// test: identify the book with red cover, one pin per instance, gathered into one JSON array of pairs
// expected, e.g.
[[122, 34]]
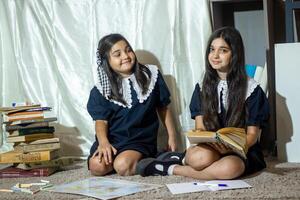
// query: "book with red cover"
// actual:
[[13, 172]]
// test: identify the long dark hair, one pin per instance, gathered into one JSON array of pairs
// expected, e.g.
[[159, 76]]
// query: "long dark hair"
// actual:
[[141, 72], [236, 80]]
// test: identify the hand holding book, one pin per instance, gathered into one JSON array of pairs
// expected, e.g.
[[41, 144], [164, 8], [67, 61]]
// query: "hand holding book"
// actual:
[[231, 137], [220, 147]]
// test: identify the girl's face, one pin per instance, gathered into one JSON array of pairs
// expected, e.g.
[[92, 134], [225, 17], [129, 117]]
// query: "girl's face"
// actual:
[[219, 56], [122, 58]]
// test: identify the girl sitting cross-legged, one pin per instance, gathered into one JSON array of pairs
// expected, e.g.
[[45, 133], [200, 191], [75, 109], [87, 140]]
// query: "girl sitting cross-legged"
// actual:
[[225, 98]]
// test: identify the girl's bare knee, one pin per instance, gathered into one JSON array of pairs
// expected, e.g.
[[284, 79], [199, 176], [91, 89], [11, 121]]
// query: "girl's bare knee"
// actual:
[[201, 158], [98, 169], [124, 167], [230, 170]]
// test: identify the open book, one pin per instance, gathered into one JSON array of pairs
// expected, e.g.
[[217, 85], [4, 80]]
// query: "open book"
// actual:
[[234, 138]]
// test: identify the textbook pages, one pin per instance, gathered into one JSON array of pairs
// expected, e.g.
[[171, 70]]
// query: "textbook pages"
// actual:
[[235, 138]]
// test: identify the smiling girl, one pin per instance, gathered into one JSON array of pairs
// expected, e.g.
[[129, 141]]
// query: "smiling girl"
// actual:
[[225, 98], [124, 104]]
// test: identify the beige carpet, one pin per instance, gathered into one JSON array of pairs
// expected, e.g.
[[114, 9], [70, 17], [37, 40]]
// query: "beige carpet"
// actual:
[[278, 181]]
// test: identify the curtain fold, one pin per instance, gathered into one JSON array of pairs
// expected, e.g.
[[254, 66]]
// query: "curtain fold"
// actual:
[[48, 48]]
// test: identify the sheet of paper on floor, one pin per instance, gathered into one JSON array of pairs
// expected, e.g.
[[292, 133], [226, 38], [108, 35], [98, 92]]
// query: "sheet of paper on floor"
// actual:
[[103, 188], [180, 188]]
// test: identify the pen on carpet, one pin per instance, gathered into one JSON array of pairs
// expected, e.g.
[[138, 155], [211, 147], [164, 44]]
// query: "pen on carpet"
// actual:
[[212, 184]]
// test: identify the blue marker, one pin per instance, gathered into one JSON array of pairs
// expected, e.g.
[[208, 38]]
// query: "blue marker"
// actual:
[[212, 184]]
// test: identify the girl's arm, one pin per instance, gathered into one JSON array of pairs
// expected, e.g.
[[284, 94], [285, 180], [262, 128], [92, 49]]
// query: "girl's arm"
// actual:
[[105, 149], [253, 133], [166, 118], [199, 125]]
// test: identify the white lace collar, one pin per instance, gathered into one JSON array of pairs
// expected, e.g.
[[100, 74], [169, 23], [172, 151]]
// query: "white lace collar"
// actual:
[[222, 86], [127, 91]]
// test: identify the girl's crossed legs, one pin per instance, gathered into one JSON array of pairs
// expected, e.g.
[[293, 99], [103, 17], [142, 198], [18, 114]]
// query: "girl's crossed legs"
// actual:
[[124, 164], [203, 162]]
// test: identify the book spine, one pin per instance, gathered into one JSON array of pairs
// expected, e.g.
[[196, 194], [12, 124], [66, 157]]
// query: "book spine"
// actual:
[[29, 138], [24, 113], [27, 157], [23, 117], [59, 162], [33, 125], [40, 147], [36, 130], [38, 172], [28, 121]]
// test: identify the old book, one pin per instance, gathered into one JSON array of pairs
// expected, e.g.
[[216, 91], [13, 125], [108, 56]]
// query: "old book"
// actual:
[[16, 108], [29, 138], [23, 113], [26, 126], [29, 131], [25, 148], [234, 138], [28, 121], [13, 172], [30, 109], [23, 116], [20, 157], [44, 141], [58, 162]]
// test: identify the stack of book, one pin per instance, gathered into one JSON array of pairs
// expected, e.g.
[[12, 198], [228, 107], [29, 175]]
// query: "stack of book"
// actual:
[[35, 146]]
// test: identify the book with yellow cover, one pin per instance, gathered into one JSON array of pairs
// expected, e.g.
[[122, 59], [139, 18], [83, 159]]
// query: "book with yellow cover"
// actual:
[[234, 138], [20, 157]]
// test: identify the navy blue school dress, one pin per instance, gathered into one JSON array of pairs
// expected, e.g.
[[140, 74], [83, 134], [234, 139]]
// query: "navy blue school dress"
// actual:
[[258, 107], [133, 126]]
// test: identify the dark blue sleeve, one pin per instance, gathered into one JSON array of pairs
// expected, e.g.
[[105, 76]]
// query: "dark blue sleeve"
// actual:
[[97, 106], [258, 108], [163, 92], [195, 104]]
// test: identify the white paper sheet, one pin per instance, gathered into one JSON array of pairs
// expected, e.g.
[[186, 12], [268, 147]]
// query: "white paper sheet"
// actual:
[[180, 188]]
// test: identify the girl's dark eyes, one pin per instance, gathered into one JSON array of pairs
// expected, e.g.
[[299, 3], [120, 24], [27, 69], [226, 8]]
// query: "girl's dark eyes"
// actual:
[[118, 54], [224, 50], [129, 49], [221, 50]]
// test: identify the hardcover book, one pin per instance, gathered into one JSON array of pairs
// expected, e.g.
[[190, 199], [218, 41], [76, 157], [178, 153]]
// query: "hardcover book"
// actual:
[[16, 108], [20, 157], [23, 117], [44, 141], [23, 113], [29, 138], [234, 138], [58, 162], [26, 126], [13, 172], [28, 121], [29, 109], [25, 148], [29, 131]]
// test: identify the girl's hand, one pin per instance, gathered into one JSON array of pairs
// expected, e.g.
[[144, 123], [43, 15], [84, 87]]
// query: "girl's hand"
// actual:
[[171, 144], [221, 148], [104, 152]]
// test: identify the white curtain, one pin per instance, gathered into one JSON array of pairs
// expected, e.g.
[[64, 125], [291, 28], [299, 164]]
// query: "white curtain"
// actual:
[[47, 55]]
